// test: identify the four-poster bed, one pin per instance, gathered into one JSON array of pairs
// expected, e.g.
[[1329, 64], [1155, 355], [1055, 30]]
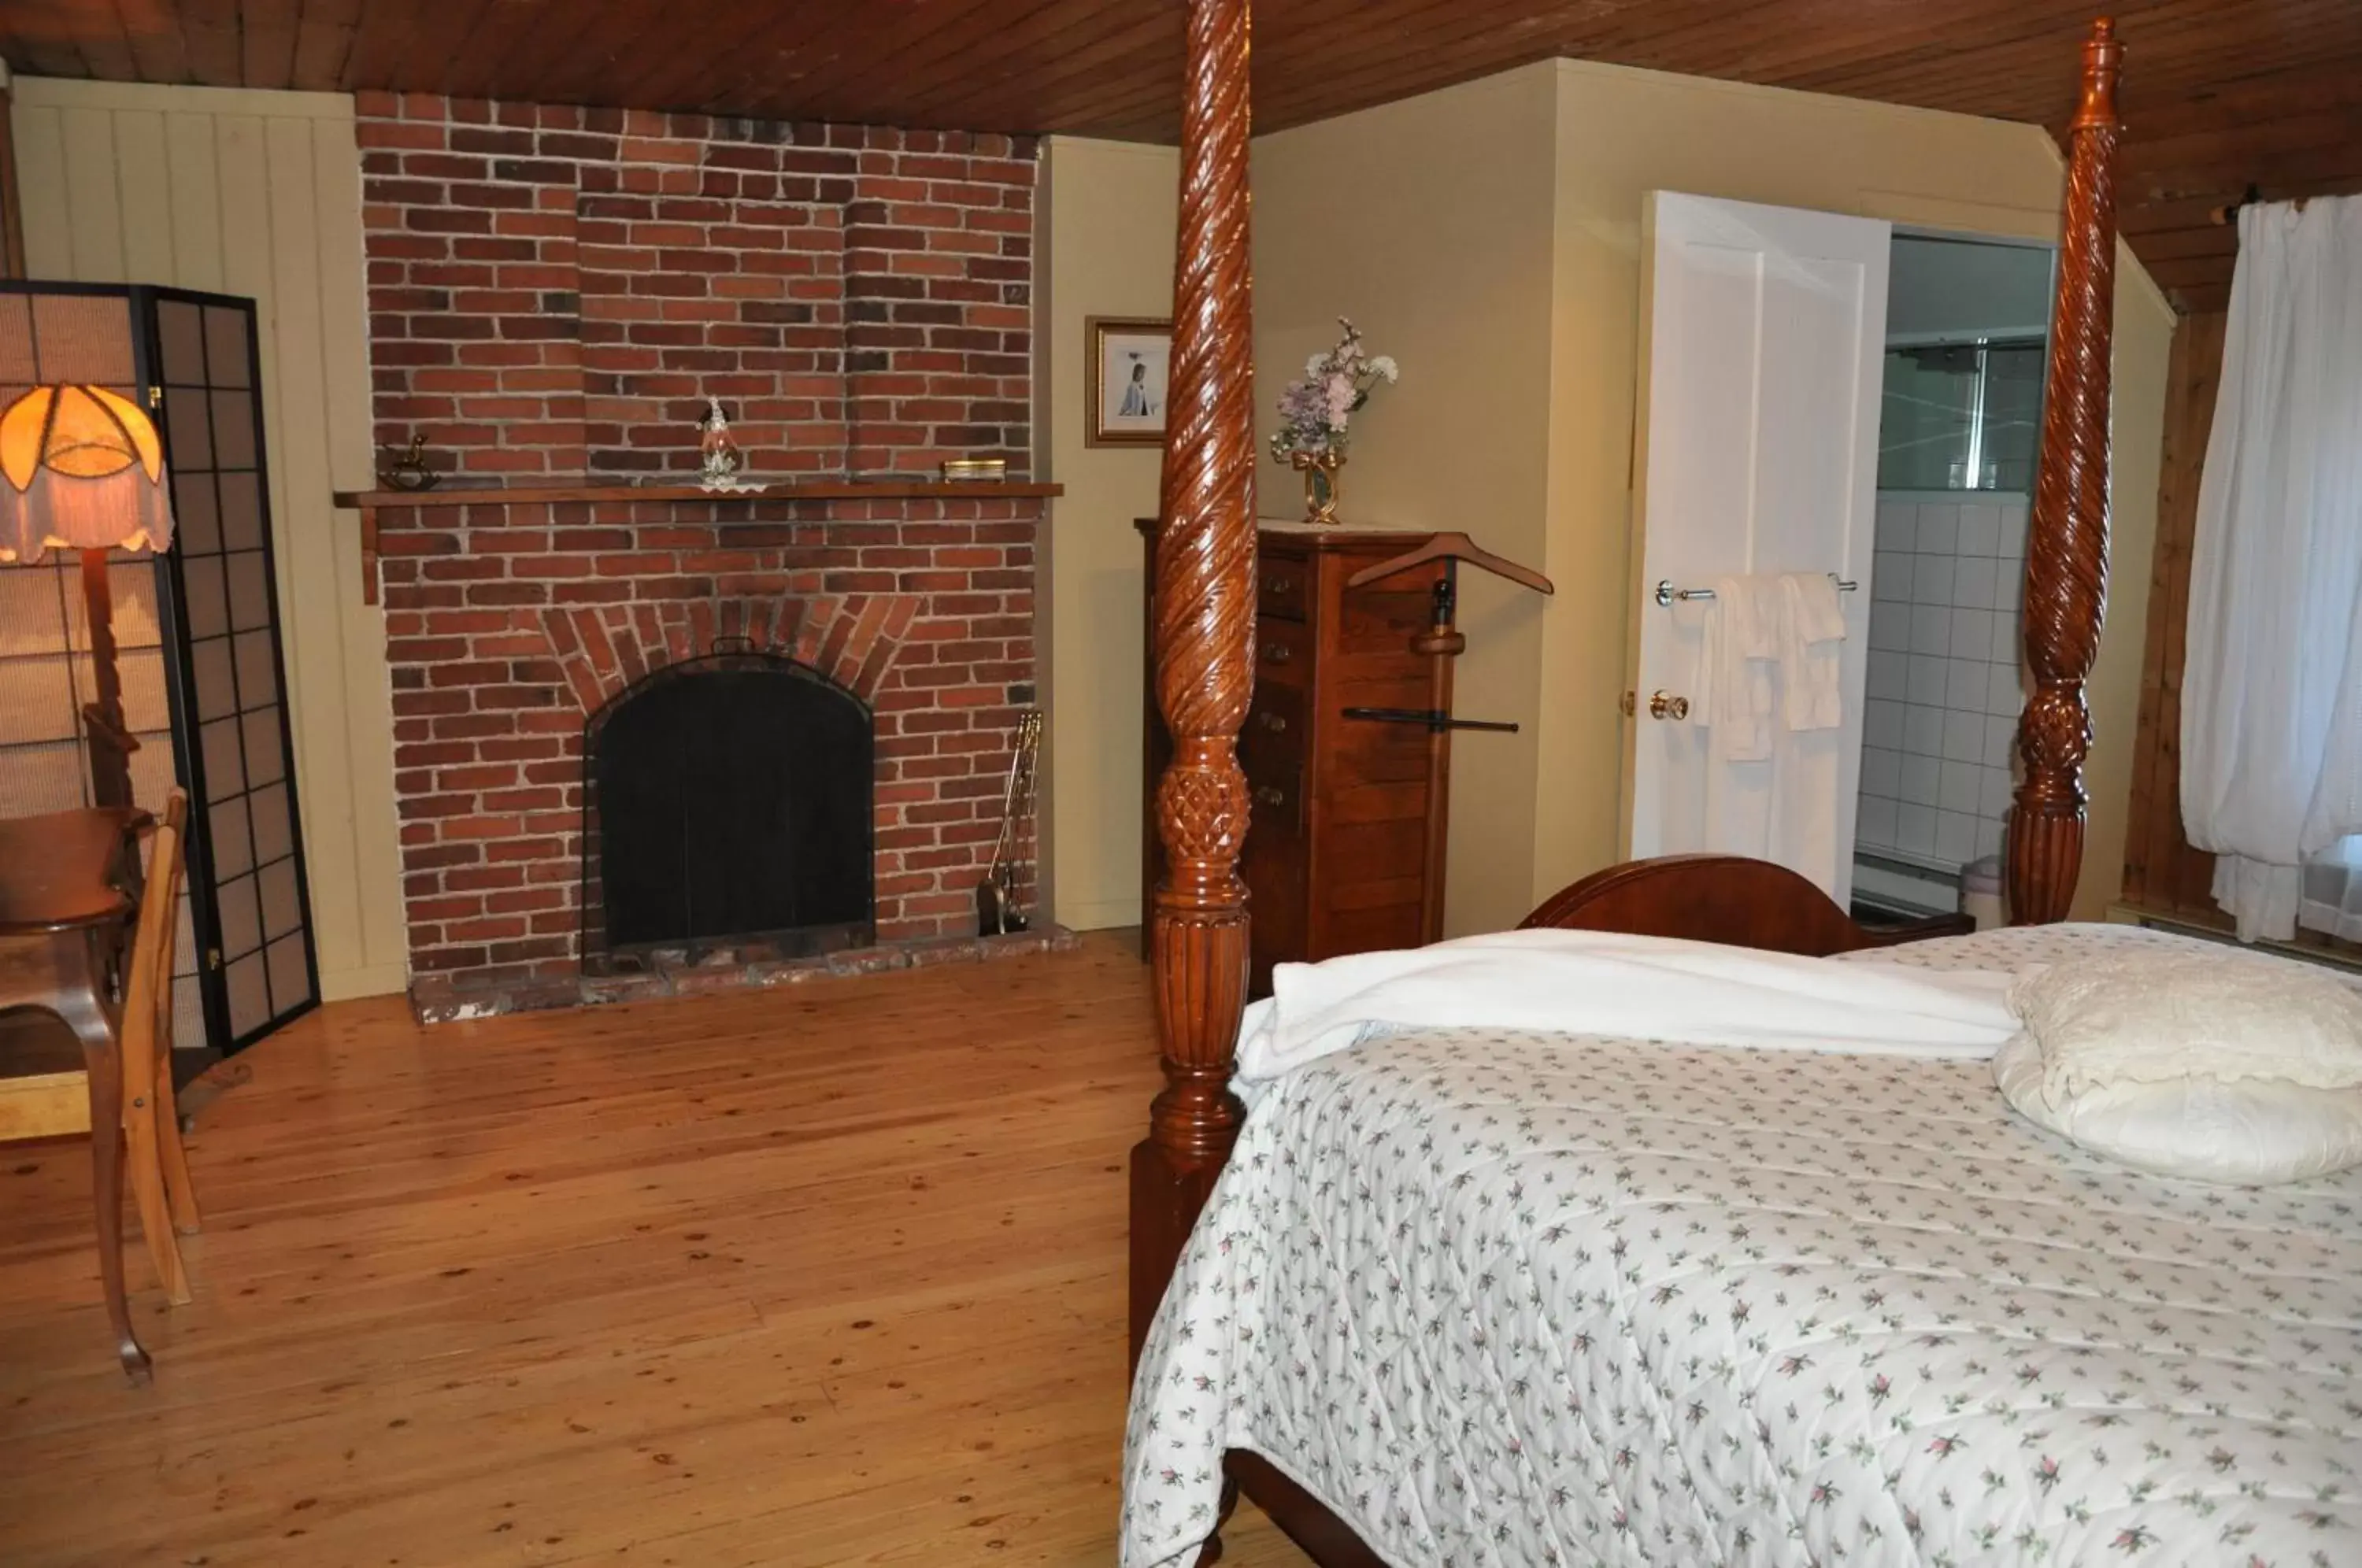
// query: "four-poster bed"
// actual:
[[1203, 629]]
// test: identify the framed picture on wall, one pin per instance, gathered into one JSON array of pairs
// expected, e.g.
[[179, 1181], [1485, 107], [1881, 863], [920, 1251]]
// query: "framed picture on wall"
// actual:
[[1131, 363]]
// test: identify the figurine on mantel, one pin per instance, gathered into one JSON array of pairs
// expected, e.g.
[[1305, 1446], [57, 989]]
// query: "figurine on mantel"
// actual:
[[719, 458], [409, 472]]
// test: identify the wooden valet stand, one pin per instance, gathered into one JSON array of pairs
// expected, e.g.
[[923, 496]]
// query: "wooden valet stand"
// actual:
[[1440, 643]]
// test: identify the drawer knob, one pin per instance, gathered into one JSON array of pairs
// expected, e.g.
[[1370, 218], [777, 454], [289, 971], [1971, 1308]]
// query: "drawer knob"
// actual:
[[1277, 653], [1282, 585], [1663, 707], [1271, 794], [1272, 722]]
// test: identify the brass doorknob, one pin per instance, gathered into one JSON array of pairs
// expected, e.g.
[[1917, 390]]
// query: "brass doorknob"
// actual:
[[1663, 707]]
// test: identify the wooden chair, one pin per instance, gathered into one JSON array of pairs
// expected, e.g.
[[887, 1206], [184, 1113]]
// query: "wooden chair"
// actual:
[[44, 1087]]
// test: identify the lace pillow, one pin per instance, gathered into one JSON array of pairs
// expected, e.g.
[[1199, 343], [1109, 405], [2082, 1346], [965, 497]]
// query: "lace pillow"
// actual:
[[2216, 1066], [2136, 1017]]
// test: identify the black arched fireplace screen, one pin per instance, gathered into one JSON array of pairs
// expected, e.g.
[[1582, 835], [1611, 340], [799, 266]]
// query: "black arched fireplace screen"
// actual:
[[728, 806]]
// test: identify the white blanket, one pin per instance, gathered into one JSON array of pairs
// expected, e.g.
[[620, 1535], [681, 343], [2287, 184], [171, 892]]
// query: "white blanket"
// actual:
[[1644, 987]]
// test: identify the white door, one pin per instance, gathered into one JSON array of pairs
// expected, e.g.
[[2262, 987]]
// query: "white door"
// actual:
[[1762, 345]]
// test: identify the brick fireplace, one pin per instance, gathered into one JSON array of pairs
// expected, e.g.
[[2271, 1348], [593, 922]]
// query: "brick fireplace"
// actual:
[[554, 294], [555, 291]]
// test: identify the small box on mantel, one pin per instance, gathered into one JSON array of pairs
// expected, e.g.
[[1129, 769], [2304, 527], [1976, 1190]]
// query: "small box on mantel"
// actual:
[[958, 469]]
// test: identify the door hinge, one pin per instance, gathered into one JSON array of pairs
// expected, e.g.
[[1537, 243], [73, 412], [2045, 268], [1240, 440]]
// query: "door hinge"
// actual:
[[213, 957], [1630, 703]]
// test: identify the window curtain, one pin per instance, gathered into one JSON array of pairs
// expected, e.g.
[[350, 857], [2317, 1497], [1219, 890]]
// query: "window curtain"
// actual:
[[2271, 726]]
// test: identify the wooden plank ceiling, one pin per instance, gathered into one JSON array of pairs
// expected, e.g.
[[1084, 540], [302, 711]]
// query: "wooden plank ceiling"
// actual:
[[2218, 93]]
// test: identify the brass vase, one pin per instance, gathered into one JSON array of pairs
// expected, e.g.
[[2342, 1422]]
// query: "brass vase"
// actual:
[[1322, 484]]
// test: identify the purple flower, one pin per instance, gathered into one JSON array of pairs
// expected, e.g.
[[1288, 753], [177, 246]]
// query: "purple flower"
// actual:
[[1314, 411]]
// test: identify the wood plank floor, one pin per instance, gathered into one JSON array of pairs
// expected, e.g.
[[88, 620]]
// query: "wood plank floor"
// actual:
[[828, 1273]]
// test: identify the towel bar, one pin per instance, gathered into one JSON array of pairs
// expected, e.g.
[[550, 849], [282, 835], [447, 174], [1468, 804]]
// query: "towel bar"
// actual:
[[1667, 592]]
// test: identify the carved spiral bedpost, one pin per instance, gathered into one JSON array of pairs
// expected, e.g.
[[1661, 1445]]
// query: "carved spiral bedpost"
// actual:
[[1204, 609], [2067, 547]]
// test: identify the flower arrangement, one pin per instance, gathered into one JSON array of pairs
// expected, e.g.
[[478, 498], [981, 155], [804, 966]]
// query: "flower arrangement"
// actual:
[[1336, 384]]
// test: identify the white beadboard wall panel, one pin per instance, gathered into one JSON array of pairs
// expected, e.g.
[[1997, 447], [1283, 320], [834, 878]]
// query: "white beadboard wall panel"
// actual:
[[259, 193], [94, 202]]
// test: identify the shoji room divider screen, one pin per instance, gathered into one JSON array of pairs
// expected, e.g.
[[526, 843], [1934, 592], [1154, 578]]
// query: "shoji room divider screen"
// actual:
[[198, 638]]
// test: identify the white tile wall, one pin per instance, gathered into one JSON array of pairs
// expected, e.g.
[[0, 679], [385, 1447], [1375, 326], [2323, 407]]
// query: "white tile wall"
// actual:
[[1946, 577]]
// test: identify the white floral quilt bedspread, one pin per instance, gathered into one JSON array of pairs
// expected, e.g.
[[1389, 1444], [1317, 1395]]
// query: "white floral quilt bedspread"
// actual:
[[1506, 1299]]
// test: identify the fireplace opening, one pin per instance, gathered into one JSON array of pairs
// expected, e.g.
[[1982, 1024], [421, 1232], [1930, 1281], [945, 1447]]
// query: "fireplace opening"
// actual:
[[728, 806]]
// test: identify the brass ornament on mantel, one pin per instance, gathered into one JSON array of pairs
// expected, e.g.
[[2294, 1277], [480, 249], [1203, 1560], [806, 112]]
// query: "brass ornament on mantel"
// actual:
[[1322, 472]]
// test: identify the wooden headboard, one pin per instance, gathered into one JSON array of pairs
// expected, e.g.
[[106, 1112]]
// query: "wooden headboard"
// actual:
[[1204, 606], [1728, 899]]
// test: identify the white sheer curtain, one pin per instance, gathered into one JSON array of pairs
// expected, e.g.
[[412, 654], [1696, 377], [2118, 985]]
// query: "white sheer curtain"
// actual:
[[2271, 715], [2332, 896]]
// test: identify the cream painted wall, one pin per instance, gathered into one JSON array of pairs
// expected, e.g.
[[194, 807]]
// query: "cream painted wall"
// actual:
[[1104, 226], [259, 193], [1488, 237], [1621, 133], [1428, 223]]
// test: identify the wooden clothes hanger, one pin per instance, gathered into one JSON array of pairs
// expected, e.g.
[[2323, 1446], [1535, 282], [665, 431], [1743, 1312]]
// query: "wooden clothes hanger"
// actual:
[[1442, 640], [1454, 547]]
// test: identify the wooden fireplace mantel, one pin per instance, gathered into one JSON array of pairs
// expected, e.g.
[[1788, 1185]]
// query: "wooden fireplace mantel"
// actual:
[[371, 501], [784, 489]]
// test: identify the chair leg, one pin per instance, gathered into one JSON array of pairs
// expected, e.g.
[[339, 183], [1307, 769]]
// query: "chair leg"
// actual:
[[147, 1170], [141, 1138], [103, 1056], [178, 1189]]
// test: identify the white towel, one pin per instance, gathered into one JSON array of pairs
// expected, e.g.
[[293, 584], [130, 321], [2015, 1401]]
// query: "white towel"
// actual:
[[1812, 632], [1741, 640]]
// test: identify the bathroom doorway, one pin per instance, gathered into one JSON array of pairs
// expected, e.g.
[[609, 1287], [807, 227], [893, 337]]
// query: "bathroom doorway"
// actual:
[[1959, 430]]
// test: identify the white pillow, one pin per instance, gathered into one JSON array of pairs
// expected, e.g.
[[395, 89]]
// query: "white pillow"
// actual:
[[2133, 1016], [2218, 1066], [2241, 1131]]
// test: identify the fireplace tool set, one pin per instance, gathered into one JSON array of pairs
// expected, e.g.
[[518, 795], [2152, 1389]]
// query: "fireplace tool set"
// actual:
[[997, 912]]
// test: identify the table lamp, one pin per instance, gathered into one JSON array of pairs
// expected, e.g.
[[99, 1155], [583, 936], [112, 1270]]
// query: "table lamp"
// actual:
[[81, 468]]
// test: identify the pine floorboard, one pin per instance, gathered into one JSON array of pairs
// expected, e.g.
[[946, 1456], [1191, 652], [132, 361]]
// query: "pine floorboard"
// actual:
[[827, 1274]]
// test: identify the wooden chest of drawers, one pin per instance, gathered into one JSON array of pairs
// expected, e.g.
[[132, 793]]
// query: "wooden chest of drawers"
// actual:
[[1343, 853]]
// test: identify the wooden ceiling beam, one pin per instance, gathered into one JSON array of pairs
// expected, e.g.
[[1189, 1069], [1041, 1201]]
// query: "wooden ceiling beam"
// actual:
[[604, 31], [105, 46], [375, 60], [789, 54], [267, 31], [500, 30], [153, 32], [324, 42], [2215, 94], [978, 62]]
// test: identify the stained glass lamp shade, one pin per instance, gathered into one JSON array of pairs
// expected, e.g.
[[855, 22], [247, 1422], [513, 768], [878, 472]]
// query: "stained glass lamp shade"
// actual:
[[81, 468]]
